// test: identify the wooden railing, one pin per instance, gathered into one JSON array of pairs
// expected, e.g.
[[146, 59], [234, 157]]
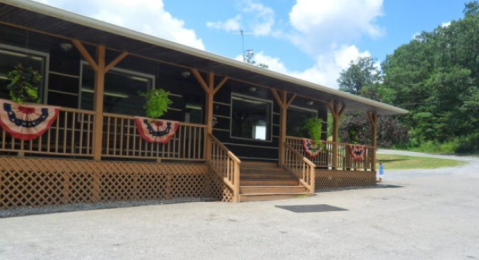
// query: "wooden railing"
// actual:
[[325, 158], [69, 135], [226, 165], [347, 162], [322, 160], [300, 166], [122, 140]]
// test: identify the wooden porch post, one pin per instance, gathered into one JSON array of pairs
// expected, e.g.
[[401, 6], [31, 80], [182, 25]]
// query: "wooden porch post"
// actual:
[[100, 69], [334, 109], [283, 103], [373, 119], [210, 90]]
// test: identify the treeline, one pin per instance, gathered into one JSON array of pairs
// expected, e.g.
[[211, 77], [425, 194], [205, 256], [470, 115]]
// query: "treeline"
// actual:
[[436, 78]]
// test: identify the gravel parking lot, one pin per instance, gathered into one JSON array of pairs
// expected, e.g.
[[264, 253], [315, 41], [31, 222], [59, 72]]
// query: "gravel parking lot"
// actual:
[[413, 215]]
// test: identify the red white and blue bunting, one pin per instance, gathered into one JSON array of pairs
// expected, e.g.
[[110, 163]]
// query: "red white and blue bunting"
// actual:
[[357, 151], [311, 149], [155, 130], [26, 122]]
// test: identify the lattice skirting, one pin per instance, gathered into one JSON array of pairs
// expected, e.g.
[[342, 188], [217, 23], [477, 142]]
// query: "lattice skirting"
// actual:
[[29, 182], [326, 179]]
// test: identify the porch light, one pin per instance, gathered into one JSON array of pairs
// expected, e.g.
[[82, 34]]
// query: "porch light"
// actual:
[[252, 89], [185, 74], [66, 46], [310, 103]]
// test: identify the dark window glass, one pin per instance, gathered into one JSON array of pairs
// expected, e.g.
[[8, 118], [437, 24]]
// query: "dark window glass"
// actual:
[[295, 122], [250, 118], [193, 109], [10, 58], [121, 91]]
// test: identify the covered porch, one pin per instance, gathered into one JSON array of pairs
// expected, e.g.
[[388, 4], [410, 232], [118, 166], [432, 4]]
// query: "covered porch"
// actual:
[[93, 151]]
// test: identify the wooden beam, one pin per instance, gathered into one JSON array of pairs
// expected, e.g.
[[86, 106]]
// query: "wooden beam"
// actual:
[[99, 90], [211, 82], [278, 99], [343, 108], [291, 100], [116, 61], [218, 87], [85, 54], [200, 79]]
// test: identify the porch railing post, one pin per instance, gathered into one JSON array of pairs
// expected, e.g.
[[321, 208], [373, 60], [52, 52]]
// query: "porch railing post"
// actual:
[[334, 109], [373, 119]]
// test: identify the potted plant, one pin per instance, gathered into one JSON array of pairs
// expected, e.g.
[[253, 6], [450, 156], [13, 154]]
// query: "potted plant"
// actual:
[[313, 125], [24, 83], [157, 102]]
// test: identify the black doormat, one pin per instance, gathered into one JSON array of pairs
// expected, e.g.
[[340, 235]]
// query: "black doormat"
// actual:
[[386, 186], [311, 208]]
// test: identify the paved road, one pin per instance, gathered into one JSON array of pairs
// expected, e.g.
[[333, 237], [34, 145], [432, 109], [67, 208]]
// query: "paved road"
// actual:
[[434, 214]]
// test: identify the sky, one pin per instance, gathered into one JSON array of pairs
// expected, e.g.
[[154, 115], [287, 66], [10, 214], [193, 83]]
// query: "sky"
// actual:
[[310, 39]]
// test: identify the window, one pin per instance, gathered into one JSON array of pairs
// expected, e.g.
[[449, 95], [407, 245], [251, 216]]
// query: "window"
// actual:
[[10, 56], [193, 109], [121, 90], [250, 118], [295, 121]]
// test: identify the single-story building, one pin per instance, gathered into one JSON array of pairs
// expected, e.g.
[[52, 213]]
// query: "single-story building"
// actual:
[[237, 134]]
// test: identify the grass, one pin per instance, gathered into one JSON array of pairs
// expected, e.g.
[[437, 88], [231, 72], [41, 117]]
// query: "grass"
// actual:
[[403, 162]]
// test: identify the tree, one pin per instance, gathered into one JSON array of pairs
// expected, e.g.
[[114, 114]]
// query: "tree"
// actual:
[[436, 77], [360, 73]]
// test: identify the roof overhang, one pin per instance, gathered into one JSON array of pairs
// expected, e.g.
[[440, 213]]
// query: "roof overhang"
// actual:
[[58, 22]]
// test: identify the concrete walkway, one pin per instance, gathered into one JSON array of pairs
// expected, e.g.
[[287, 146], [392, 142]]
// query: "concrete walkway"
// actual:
[[429, 214]]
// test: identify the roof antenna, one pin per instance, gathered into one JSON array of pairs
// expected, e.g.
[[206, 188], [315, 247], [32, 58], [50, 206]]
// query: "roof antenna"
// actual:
[[246, 57]]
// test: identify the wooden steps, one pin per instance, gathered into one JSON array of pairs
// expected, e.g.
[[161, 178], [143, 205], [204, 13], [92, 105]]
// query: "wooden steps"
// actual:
[[262, 181]]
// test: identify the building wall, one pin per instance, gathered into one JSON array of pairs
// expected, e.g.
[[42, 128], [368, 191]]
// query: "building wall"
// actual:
[[64, 77]]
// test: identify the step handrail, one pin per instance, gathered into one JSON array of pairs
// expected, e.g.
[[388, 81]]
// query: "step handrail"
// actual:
[[300, 166], [226, 165]]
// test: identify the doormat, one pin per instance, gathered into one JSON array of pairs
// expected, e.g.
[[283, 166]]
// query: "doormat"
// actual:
[[311, 208]]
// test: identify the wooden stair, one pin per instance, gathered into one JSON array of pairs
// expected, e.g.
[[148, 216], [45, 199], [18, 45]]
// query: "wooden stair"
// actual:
[[261, 181]]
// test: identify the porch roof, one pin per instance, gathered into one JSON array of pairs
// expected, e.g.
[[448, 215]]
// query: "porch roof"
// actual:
[[51, 20]]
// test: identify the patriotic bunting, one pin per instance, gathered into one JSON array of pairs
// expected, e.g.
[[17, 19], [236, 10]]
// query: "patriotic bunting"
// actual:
[[311, 149], [155, 130], [357, 151], [26, 122]]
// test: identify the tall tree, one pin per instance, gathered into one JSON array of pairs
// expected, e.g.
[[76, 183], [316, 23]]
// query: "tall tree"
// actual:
[[360, 73], [435, 77]]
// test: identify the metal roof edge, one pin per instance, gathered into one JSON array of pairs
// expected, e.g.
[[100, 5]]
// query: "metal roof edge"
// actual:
[[97, 24]]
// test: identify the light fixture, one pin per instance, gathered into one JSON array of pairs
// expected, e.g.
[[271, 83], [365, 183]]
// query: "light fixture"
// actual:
[[185, 74], [252, 89], [310, 103], [66, 46]]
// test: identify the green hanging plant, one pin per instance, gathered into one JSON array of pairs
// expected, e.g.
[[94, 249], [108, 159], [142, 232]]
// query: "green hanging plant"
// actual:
[[24, 83], [313, 125], [157, 102], [353, 134]]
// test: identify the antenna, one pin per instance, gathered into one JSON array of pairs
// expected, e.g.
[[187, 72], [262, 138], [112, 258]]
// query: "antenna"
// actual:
[[242, 45]]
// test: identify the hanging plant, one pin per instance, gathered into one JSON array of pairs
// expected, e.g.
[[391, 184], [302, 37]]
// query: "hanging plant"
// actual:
[[24, 83], [353, 135], [157, 102], [313, 125]]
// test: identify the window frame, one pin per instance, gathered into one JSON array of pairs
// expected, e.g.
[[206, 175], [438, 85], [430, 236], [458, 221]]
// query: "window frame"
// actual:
[[233, 94], [124, 71], [46, 66], [314, 111]]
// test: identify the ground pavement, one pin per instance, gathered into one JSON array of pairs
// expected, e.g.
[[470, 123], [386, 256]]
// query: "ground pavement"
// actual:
[[415, 214]]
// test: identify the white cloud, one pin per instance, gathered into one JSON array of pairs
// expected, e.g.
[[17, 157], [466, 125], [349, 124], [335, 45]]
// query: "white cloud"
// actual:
[[140, 15], [325, 70], [232, 24], [416, 35], [254, 17], [320, 24], [445, 24]]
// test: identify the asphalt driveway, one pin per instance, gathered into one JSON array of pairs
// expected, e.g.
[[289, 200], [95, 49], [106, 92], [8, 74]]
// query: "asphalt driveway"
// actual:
[[425, 214]]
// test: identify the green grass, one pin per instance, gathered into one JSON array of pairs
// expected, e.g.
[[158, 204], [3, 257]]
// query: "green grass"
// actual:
[[403, 162]]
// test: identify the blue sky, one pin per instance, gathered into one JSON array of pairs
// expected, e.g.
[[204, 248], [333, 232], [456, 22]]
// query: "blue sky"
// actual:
[[310, 39]]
